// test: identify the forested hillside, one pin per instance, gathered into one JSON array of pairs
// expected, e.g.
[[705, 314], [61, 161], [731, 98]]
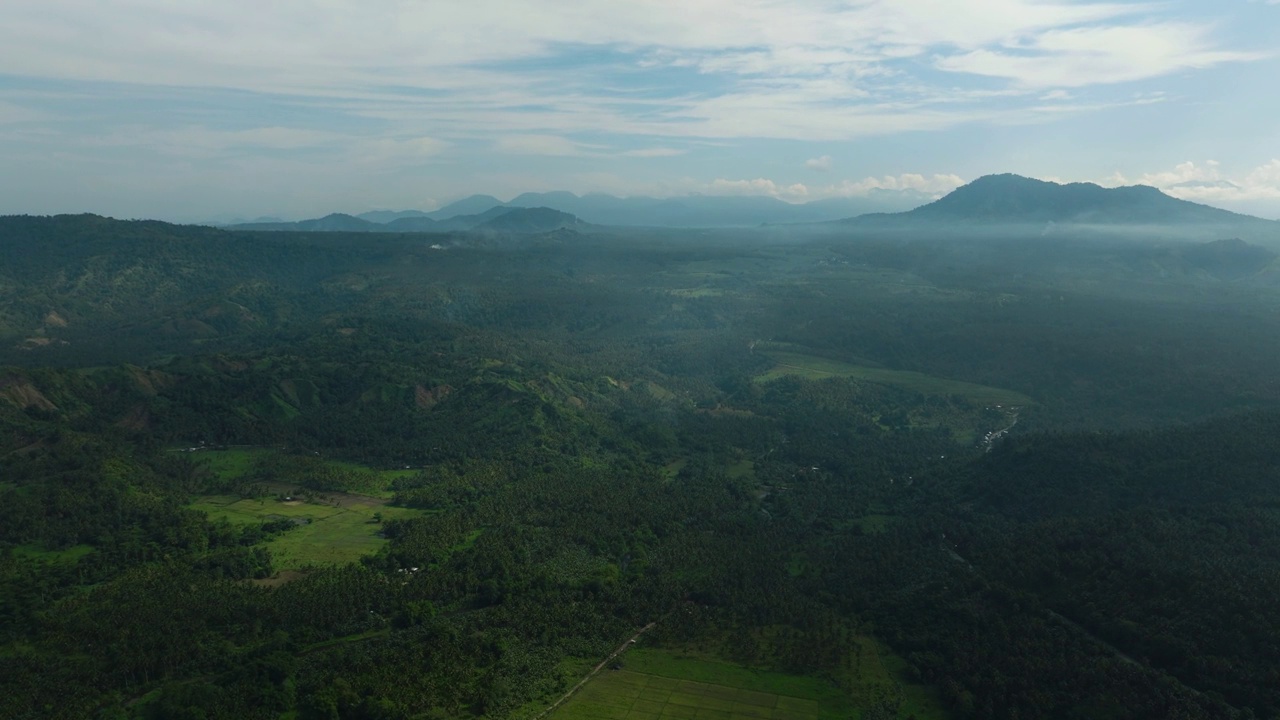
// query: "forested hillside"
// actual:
[[444, 475]]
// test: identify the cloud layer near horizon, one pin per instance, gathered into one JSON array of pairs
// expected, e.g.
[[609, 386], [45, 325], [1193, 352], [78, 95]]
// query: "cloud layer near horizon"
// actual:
[[631, 97]]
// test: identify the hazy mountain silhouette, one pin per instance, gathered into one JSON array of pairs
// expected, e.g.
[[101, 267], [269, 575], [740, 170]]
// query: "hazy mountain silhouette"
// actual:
[[1230, 259], [335, 222], [714, 210], [530, 220], [990, 200], [413, 223], [467, 222], [686, 211], [1015, 199], [500, 218], [1012, 205], [390, 216], [473, 205]]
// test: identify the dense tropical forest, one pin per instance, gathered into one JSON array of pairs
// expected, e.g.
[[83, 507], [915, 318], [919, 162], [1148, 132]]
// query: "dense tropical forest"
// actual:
[[845, 472]]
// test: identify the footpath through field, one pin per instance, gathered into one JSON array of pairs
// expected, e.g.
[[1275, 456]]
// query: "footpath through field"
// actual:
[[621, 648]]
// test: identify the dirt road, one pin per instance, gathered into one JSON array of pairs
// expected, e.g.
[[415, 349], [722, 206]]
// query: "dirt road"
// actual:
[[621, 648]]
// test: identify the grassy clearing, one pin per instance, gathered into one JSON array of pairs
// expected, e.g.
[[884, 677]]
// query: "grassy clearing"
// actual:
[[673, 468], [338, 532], [741, 469], [659, 685], [69, 555], [468, 542], [231, 464], [671, 665], [812, 367], [236, 464], [736, 469], [875, 524], [867, 676], [873, 669]]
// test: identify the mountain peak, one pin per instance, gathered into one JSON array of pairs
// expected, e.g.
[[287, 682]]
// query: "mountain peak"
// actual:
[[530, 220], [1011, 198]]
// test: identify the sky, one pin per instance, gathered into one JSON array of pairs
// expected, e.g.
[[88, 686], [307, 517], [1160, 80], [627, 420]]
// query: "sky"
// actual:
[[198, 110]]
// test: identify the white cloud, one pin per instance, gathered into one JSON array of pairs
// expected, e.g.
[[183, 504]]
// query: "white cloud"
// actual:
[[760, 186], [787, 69], [819, 163], [936, 185], [1209, 183], [137, 95]]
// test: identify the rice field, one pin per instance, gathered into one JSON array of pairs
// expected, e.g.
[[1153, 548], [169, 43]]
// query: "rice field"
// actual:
[[656, 685]]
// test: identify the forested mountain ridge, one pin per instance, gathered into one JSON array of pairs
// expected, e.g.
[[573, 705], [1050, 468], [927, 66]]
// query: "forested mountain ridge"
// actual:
[[1013, 198], [437, 475], [494, 219], [993, 202]]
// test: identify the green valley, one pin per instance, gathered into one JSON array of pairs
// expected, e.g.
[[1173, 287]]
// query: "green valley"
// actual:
[[843, 472]]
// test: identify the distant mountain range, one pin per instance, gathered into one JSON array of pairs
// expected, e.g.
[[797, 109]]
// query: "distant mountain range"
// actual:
[[992, 200], [694, 211], [706, 211], [495, 219]]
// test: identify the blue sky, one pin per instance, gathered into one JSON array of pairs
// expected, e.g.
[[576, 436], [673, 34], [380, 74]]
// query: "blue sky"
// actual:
[[199, 110]]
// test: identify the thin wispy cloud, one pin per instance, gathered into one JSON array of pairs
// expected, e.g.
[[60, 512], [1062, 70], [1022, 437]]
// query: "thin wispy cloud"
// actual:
[[539, 145], [656, 152], [454, 85], [1080, 57]]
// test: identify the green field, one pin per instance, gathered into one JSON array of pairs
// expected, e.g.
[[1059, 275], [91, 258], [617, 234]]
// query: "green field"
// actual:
[[812, 367], [628, 695], [231, 463], [673, 468], [69, 555], [661, 684], [657, 685], [341, 531], [336, 527]]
